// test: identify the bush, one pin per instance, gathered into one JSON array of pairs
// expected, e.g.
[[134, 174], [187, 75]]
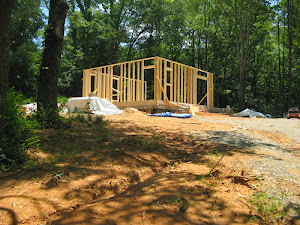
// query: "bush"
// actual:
[[18, 134]]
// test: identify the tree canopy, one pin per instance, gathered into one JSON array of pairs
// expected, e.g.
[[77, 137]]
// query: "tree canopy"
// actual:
[[251, 46]]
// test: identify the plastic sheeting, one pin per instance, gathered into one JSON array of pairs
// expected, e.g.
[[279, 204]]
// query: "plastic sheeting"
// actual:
[[30, 108], [95, 105], [169, 114], [250, 113]]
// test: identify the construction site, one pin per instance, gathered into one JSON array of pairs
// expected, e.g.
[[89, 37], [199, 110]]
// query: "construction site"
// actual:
[[151, 84]]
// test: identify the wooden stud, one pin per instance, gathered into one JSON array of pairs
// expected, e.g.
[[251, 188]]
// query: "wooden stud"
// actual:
[[165, 81], [185, 84], [129, 91], [138, 81], [99, 83], [194, 87], [142, 79], [129, 83], [171, 82]]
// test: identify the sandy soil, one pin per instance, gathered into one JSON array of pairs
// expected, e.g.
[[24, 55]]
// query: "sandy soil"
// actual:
[[153, 170]]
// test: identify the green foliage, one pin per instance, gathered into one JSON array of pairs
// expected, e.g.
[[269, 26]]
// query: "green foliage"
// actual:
[[269, 208], [18, 134], [24, 55], [199, 33]]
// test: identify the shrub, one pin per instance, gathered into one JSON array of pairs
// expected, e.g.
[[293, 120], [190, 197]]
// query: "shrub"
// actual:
[[18, 134]]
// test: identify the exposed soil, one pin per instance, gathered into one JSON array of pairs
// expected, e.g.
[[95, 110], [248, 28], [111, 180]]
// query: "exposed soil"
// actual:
[[151, 170]]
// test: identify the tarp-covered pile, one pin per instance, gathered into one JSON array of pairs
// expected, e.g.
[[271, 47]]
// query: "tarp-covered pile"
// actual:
[[95, 105], [250, 113]]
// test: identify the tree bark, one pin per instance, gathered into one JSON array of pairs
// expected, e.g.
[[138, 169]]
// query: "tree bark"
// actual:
[[242, 46], [290, 39], [5, 20], [49, 72]]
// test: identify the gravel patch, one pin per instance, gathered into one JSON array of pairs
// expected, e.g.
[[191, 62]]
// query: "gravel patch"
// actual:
[[275, 163], [290, 128]]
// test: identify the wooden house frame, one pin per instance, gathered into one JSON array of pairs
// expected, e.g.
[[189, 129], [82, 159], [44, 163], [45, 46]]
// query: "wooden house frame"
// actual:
[[125, 83]]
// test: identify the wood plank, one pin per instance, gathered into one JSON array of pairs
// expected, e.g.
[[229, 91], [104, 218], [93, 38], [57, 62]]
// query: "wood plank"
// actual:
[[175, 82], [194, 87], [142, 79], [185, 84], [181, 84], [149, 67], [129, 91], [155, 74], [138, 97], [99, 83], [110, 83], [133, 82], [202, 99], [201, 77], [172, 82], [145, 91], [165, 77], [84, 83], [121, 82], [162, 89], [159, 96], [178, 83]]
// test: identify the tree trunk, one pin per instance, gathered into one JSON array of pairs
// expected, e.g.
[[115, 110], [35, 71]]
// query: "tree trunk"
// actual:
[[279, 66], [193, 49], [290, 53], [242, 46], [5, 20], [49, 72]]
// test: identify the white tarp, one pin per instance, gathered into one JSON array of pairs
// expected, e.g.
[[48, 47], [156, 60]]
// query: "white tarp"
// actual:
[[98, 106], [250, 113], [30, 108]]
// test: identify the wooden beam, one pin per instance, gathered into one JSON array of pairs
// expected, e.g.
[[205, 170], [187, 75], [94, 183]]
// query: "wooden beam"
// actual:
[[202, 99], [201, 77], [149, 67], [162, 89]]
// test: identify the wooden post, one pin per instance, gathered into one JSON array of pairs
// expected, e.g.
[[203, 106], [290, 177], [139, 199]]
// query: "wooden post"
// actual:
[[160, 78], [156, 74], [210, 99], [171, 83], [185, 84], [138, 81], [129, 83], [84, 82], [99, 82], [133, 82], [142, 79], [194, 82]]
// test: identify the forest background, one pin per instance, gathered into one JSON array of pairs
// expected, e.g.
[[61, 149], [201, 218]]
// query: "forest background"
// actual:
[[251, 47]]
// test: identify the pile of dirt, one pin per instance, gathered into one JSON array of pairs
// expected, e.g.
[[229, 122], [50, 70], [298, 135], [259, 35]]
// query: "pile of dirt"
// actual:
[[132, 111]]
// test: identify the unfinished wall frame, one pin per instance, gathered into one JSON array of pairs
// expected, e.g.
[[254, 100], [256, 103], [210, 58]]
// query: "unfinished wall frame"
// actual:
[[125, 82]]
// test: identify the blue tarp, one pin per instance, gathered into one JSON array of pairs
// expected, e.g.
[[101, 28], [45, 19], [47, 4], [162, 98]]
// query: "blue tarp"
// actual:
[[169, 114]]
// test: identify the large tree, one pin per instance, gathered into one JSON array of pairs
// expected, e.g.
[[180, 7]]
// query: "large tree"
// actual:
[[5, 20], [49, 72]]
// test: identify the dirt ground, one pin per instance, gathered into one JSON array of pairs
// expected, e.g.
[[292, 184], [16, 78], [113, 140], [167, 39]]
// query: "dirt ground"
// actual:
[[138, 169]]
